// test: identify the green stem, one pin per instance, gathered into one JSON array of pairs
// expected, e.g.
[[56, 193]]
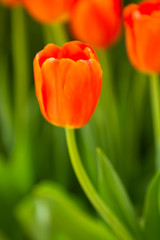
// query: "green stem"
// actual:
[[5, 96], [155, 102], [90, 191], [20, 64], [5, 103], [21, 162], [60, 34], [56, 33], [3, 19]]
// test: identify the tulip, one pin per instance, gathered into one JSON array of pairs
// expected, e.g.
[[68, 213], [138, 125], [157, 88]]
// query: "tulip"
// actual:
[[10, 3], [97, 22], [68, 83], [48, 11], [142, 27]]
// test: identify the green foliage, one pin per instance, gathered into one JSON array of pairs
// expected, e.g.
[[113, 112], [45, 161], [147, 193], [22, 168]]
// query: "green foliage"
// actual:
[[152, 210], [113, 192], [50, 211]]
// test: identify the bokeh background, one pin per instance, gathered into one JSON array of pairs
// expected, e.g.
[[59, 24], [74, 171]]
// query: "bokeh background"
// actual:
[[32, 150]]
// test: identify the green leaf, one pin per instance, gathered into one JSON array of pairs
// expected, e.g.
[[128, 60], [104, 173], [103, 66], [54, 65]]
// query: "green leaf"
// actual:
[[152, 210], [113, 193], [50, 211], [3, 236], [87, 151]]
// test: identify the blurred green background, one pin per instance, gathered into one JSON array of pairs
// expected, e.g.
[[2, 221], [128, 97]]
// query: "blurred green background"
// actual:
[[32, 150]]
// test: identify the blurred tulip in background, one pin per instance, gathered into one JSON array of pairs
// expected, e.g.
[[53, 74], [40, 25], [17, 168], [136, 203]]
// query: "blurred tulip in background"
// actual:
[[48, 11], [97, 22], [142, 23]]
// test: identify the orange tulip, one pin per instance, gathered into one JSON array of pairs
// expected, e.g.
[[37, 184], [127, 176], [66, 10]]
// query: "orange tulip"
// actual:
[[48, 11], [68, 83], [97, 22], [10, 3], [142, 25]]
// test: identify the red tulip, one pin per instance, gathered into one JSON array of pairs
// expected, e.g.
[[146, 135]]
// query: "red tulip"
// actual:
[[142, 25], [97, 22], [68, 83], [48, 11]]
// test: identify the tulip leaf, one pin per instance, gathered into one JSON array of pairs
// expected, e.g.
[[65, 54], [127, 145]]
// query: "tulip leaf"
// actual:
[[152, 210], [3, 236], [87, 151], [50, 210], [113, 193]]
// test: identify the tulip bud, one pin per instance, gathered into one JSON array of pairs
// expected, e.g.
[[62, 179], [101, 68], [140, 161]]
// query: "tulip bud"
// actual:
[[97, 22], [48, 11], [68, 83], [142, 27]]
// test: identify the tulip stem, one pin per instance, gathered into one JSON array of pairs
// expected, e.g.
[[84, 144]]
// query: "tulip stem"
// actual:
[[56, 33], [20, 64], [60, 33], [21, 164], [155, 101], [91, 192]]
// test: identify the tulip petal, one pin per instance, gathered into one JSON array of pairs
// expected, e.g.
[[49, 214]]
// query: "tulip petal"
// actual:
[[46, 11], [77, 51], [142, 23], [38, 84], [131, 40], [67, 85], [50, 51], [53, 79], [96, 22], [79, 98], [147, 31]]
